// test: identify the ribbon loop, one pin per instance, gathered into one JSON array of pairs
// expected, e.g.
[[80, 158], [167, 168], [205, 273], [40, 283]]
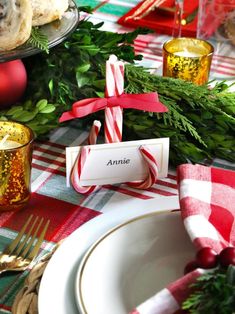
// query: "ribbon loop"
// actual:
[[147, 102]]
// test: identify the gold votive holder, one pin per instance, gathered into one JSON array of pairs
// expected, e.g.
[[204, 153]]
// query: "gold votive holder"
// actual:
[[188, 59], [16, 145]]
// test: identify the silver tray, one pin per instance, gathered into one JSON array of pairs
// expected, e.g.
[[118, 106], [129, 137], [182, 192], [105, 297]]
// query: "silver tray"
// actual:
[[56, 32]]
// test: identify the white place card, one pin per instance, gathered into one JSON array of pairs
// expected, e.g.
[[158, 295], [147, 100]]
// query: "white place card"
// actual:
[[118, 162]]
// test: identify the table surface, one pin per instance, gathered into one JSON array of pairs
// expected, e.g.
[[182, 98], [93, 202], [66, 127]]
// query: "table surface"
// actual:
[[67, 209]]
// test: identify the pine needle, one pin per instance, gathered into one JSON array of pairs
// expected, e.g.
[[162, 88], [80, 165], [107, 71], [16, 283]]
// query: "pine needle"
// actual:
[[39, 40]]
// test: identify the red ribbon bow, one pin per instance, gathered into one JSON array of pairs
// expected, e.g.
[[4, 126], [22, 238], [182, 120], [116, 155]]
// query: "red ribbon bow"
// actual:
[[146, 102]]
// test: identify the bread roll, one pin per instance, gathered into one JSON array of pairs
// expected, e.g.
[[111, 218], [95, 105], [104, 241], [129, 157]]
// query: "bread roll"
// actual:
[[15, 23], [46, 11]]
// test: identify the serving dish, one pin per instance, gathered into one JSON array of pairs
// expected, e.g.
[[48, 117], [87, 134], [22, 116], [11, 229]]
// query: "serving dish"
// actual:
[[56, 32]]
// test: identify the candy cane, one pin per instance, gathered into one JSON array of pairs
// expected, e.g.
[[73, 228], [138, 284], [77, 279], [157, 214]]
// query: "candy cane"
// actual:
[[153, 170], [77, 171], [81, 160], [95, 129], [113, 124], [114, 87]]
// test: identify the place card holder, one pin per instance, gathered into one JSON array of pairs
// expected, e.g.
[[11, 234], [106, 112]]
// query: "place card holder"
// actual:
[[142, 184], [144, 162]]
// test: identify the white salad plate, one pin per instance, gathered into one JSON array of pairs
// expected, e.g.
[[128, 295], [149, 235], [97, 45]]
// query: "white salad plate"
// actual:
[[132, 262], [57, 292]]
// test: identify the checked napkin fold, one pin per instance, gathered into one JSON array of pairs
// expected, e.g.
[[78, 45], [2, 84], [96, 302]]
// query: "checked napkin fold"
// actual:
[[207, 202]]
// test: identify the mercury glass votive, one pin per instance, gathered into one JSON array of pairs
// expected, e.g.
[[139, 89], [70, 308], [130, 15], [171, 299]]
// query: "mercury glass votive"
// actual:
[[16, 144], [188, 59]]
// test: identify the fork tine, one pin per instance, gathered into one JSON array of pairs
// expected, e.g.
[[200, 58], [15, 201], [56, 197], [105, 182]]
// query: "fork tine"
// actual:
[[16, 241], [26, 244], [37, 246], [30, 243]]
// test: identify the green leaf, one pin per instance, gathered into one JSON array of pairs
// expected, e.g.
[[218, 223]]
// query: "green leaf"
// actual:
[[100, 94], [41, 104], [82, 79], [51, 87], [83, 68], [26, 116], [15, 110], [86, 8], [99, 84], [48, 109]]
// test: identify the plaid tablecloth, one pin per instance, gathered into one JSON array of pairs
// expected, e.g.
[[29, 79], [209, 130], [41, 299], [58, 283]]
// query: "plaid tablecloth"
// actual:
[[50, 198]]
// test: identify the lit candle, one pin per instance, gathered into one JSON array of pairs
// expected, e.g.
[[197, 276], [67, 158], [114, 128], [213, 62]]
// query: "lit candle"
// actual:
[[15, 165], [188, 59], [8, 144], [187, 54]]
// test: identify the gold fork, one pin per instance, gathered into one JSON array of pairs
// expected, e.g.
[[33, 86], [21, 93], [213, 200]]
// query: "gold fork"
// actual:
[[24, 248]]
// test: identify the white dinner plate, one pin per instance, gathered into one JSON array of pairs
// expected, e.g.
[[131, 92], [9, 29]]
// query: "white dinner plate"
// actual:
[[131, 262], [56, 292]]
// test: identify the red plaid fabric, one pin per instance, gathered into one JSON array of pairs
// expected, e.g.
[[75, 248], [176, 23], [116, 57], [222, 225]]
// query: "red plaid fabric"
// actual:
[[66, 209], [207, 201]]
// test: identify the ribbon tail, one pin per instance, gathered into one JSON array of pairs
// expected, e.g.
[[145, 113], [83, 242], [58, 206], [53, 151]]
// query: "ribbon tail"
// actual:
[[84, 107], [68, 115], [146, 103], [159, 107]]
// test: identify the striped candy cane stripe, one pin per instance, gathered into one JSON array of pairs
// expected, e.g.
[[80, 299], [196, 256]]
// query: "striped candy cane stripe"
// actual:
[[94, 132], [113, 124], [114, 77], [77, 171], [114, 87], [153, 170]]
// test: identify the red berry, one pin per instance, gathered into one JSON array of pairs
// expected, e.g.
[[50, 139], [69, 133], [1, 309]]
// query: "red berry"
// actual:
[[207, 258], [190, 267], [227, 256]]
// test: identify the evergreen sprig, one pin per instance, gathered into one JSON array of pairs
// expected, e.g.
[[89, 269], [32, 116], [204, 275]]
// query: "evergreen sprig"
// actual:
[[38, 39], [207, 129], [200, 120], [214, 293]]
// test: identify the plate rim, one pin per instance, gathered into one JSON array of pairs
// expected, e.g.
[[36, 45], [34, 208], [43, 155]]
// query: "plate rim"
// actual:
[[78, 280], [82, 238]]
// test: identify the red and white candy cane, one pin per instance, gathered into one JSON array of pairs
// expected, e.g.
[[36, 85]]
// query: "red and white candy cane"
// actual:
[[153, 170], [81, 160], [94, 132], [77, 171], [114, 87]]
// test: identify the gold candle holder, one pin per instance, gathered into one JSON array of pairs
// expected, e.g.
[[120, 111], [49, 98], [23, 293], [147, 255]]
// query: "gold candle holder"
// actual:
[[16, 144], [188, 59]]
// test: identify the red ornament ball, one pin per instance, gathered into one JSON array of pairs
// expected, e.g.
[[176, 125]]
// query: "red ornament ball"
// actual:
[[190, 267], [227, 256], [207, 258], [13, 81]]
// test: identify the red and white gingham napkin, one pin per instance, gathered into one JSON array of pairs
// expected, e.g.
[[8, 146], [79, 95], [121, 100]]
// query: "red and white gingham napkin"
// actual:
[[207, 202]]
